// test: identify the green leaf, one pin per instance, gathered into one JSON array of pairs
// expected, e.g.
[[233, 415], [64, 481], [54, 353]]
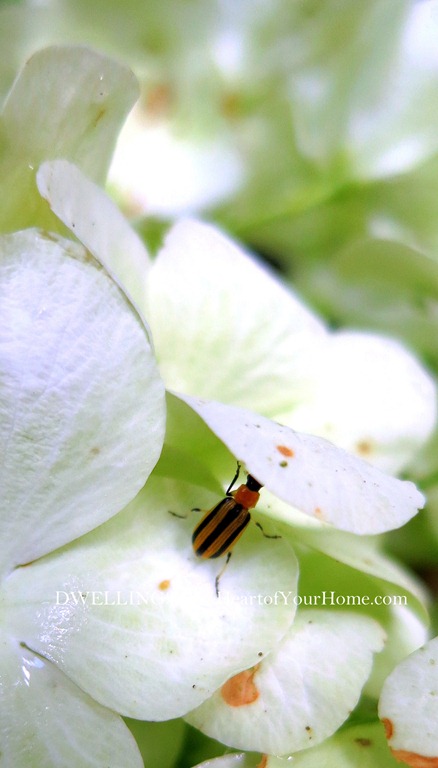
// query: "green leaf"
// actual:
[[386, 285], [159, 743]]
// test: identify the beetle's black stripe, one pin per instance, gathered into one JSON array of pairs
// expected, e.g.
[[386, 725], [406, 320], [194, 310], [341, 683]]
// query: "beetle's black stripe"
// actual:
[[216, 513], [226, 541], [220, 528]]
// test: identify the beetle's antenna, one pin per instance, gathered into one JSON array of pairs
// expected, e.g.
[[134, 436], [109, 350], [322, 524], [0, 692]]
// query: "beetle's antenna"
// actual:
[[234, 478]]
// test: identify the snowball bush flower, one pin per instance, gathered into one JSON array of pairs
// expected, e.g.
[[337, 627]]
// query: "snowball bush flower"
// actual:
[[271, 108], [106, 611]]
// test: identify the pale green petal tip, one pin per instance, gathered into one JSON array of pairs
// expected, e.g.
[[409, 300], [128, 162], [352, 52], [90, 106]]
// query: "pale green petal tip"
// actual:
[[67, 102], [85, 93]]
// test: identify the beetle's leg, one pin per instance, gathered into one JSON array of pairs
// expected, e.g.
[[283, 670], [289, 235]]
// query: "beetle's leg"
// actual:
[[216, 582]]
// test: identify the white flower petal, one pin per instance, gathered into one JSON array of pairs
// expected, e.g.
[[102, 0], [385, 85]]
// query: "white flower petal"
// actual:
[[409, 708], [302, 692], [162, 173], [168, 651], [224, 327], [97, 222], [46, 720], [369, 396], [236, 760], [82, 405], [310, 473]]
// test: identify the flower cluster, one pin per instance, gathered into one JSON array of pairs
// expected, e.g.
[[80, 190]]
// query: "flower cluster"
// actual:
[[129, 387]]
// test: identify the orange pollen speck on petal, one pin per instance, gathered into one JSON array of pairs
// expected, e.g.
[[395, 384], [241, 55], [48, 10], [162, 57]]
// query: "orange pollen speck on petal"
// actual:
[[364, 447], [241, 689], [388, 726], [231, 105], [414, 760], [158, 102], [163, 585], [318, 512], [285, 450]]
